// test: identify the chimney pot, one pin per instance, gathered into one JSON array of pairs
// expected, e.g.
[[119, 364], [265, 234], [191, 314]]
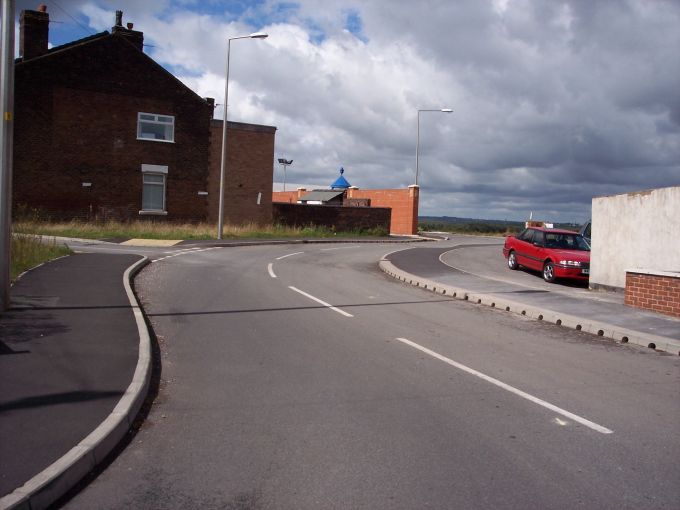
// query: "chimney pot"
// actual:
[[42, 8], [133, 36]]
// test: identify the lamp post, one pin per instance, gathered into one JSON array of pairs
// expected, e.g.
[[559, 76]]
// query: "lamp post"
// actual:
[[284, 164], [6, 137], [443, 110], [220, 213]]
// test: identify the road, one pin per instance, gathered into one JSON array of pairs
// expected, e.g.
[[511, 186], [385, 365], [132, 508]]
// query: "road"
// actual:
[[303, 377]]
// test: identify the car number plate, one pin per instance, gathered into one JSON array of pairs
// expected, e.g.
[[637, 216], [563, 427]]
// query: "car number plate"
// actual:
[[585, 271]]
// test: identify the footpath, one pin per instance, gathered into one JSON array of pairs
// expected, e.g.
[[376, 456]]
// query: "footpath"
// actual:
[[74, 371], [75, 356]]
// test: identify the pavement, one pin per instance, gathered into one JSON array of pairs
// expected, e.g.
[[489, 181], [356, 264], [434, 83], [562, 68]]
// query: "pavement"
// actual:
[[74, 370], [75, 356]]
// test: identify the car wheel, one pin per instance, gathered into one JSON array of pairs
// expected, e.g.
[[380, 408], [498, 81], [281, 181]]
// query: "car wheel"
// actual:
[[549, 272], [512, 261]]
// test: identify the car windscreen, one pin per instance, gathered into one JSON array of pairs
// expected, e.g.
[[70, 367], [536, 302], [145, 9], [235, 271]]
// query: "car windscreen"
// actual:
[[562, 241]]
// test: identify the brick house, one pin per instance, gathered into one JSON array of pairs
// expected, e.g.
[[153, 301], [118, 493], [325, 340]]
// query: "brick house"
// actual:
[[250, 173], [103, 131]]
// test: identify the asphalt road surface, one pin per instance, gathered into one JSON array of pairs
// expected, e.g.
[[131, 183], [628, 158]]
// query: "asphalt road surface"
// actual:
[[302, 377]]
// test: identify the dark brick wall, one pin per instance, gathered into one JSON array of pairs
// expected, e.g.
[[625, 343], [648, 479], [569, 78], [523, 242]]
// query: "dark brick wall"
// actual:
[[76, 121], [249, 172], [343, 219]]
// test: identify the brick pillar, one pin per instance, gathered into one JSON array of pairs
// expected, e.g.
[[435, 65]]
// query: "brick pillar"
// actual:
[[413, 198], [300, 192], [350, 191]]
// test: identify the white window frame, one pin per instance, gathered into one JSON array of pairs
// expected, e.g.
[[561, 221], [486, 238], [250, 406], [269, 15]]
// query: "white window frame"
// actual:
[[156, 121], [155, 170]]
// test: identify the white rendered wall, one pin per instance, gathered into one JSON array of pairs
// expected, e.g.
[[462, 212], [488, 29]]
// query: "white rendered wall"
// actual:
[[635, 231]]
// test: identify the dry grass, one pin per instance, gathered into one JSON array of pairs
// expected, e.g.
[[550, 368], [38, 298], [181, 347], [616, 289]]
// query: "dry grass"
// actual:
[[29, 251], [157, 230]]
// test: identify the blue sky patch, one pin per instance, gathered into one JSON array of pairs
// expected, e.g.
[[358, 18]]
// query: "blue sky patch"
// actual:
[[355, 26]]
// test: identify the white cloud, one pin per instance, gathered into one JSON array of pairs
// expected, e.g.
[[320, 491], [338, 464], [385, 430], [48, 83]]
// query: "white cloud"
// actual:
[[554, 102]]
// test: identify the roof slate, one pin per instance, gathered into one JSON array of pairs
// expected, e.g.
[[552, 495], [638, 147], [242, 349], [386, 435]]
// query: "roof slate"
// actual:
[[321, 195]]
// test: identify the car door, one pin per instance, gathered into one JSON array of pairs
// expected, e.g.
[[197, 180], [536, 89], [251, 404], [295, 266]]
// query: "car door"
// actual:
[[536, 251], [523, 246]]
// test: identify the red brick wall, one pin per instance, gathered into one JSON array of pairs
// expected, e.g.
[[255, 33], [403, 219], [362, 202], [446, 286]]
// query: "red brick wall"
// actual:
[[249, 171], [653, 292], [402, 202], [289, 197]]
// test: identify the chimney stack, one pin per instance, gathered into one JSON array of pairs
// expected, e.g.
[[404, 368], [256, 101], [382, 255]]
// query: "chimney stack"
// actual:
[[33, 32], [134, 36]]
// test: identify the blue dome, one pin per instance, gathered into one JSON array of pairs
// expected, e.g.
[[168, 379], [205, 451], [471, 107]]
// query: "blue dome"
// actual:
[[340, 182]]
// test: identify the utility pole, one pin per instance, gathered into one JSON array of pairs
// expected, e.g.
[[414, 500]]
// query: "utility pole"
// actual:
[[6, 132]]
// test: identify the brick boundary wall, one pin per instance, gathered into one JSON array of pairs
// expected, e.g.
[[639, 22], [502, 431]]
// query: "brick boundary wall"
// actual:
[[656, 292], [288, 197], [343, 219], [402, 202]]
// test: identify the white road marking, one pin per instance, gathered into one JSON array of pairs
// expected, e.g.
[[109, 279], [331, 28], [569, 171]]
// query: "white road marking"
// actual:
[[270, 268], [290, 255], [340, 248], [188, 251], [511, 389], [327, 305]]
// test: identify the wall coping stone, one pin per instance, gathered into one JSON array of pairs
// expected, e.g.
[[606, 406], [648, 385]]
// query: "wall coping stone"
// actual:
[[655, 272]]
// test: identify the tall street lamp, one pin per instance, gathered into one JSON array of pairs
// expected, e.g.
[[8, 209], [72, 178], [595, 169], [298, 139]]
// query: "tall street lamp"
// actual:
[[443, 110], [6, 137], [284, 163], [220, 213]]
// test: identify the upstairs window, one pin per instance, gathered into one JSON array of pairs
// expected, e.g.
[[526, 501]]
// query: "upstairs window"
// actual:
[[151, 126]]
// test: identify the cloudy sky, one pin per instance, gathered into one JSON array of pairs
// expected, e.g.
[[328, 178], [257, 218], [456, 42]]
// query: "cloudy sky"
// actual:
[[554, 102]]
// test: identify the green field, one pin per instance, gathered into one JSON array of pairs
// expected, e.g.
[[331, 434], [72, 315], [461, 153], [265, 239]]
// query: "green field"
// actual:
[[473, 226]]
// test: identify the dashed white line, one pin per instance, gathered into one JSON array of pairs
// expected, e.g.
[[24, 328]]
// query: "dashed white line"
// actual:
[[339, 248], [327, 305], [270, 268], [511, 389], [188, 251], [290, 255]]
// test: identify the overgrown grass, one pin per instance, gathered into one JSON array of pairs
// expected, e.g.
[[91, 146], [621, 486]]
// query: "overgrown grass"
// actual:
[[28, 251], [157, 230]]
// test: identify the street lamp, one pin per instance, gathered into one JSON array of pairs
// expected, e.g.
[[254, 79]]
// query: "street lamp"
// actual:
[[284, 164], [220, 213], [6, 155], [443, 110]]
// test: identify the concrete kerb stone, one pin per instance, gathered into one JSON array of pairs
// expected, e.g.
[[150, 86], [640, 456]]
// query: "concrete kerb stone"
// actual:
[[53, 482], [597, 328], [276, 242]]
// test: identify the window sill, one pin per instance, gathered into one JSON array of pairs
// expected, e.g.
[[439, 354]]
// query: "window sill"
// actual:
[[152, 213], [155, 140]]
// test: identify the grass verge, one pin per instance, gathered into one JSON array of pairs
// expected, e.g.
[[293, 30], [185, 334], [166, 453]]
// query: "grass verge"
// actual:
[[157, 230], [28, 251]]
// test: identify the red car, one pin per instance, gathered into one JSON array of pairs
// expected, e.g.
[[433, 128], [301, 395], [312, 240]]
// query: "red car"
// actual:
[[557, 253]]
